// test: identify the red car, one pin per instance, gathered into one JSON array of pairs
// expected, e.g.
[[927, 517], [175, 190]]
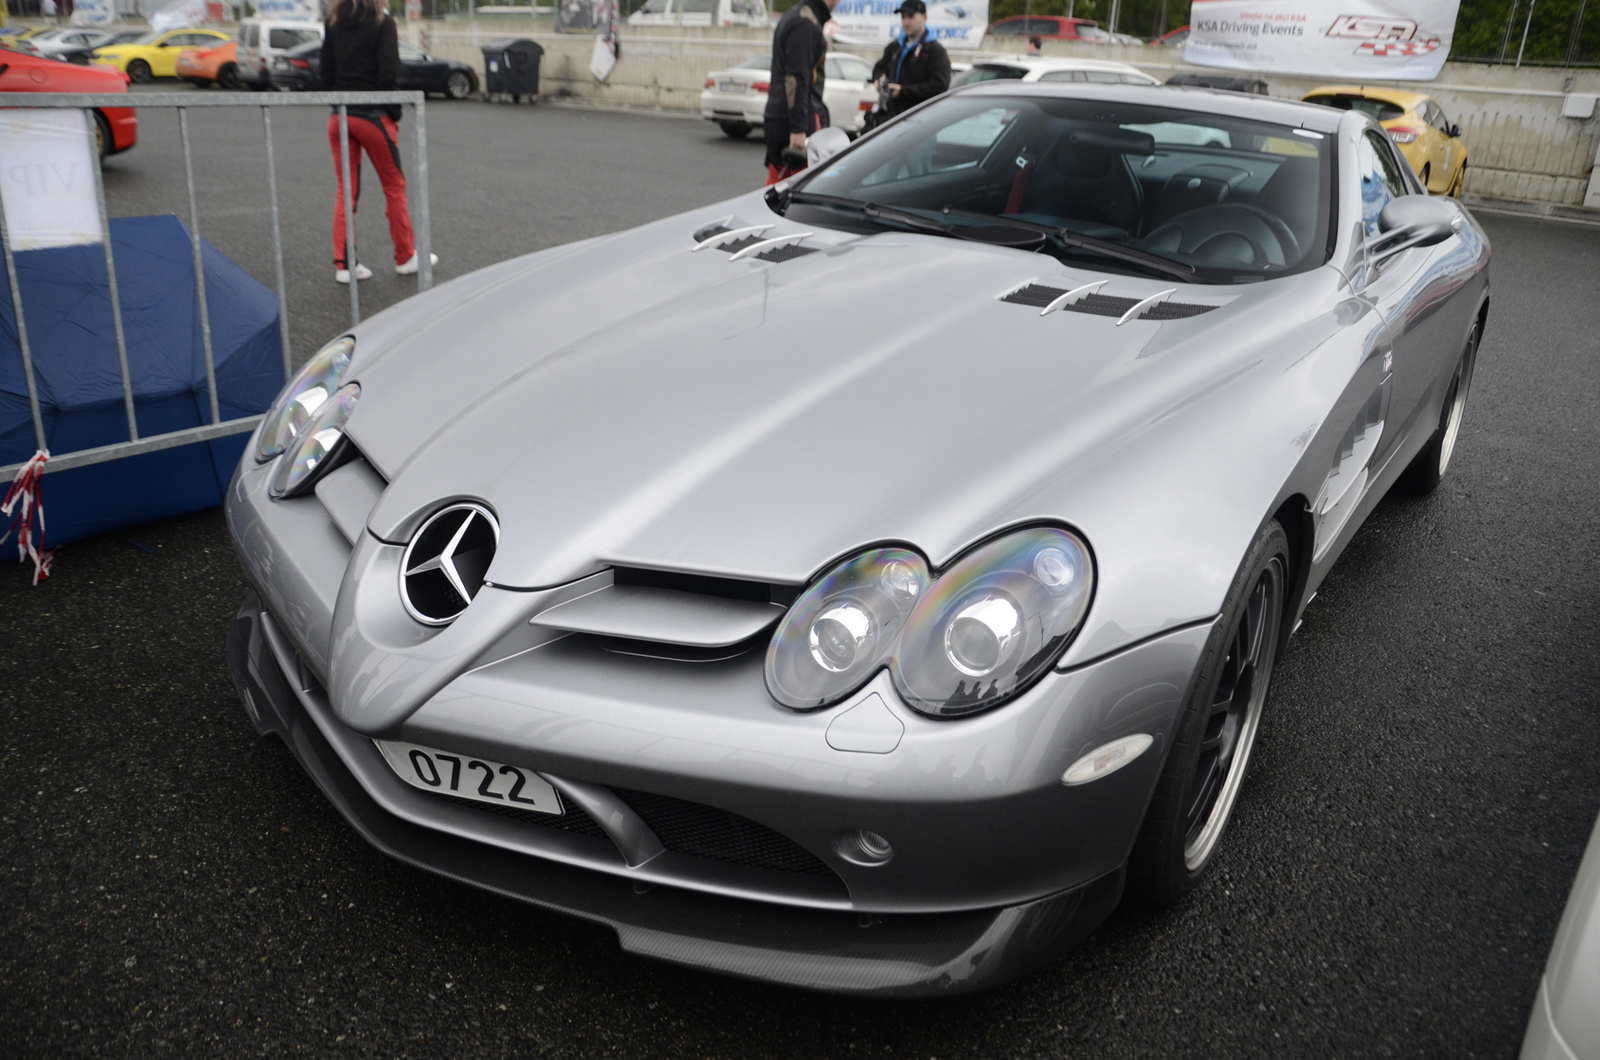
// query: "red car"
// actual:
[[116, 128], [1051, 27], [1172, 39]]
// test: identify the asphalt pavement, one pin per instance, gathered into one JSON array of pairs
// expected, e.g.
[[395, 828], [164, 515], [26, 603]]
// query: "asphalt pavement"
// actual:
[[1425, 780]]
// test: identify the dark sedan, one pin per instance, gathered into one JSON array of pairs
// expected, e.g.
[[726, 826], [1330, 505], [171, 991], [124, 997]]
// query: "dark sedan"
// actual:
[[300, 70]]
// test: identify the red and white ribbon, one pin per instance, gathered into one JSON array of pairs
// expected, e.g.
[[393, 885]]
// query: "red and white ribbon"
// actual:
[[28, 524]]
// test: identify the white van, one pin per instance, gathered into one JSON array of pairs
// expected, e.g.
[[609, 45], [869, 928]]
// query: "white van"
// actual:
[[701, 13], [262, 39]]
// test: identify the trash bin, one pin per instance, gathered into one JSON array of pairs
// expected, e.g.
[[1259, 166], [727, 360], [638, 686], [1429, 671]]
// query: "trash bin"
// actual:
[[511, 68]]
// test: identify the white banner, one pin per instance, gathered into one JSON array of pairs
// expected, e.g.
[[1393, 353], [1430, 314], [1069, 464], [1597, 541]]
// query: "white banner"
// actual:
[[93, 13], [46, 182], [607, 40], [1351, 40], [873, 23]]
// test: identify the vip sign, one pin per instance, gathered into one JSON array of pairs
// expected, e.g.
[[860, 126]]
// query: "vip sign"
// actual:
[[1397, 40], [46, 179]]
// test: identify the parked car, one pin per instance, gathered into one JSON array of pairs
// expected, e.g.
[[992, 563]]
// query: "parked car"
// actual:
[[1172, 38], [83, 55], [736, 99], [154, 54], [68, 42], [1039, 68], [1050, 27], [1417, 125], [218, 65], [263, 40], [300, 70], [1096, 35], [701, 13], [1221, 82], [116, 128], [1563, 1025], [898, 572]]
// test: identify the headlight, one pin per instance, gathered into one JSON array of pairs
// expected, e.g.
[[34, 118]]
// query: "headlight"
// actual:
[[994, 623], [313, 445], [303, 396], [842, 630], [972, 638]]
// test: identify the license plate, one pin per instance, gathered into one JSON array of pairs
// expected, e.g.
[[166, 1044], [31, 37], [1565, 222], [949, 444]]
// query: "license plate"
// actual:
[[731, 86], [466, 777]]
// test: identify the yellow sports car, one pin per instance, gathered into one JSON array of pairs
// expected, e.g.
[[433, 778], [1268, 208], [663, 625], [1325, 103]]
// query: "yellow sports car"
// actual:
[[156, 54], [1417, 126]]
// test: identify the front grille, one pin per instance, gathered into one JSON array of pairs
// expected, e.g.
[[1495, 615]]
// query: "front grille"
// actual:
[[1103, 305], [573, 820], [707, 832]]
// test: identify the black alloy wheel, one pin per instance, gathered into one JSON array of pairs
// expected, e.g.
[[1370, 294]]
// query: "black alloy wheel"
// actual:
[[1212, 743], [735, 130], [458, 85], [228, 76], [139, 72], [1430, 465]]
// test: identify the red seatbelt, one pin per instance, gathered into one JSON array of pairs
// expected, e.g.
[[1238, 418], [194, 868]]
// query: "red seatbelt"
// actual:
[[1019, 184]]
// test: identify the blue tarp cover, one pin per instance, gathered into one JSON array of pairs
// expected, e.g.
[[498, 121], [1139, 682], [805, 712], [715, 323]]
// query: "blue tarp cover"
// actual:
[[67, 306]]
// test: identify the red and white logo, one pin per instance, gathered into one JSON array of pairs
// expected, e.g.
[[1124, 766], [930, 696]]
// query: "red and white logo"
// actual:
[[1383, 37]]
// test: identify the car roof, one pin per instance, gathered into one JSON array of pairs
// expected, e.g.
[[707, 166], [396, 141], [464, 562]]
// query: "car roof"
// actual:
[[1036, 62], [1292, 113], [1398, 96]]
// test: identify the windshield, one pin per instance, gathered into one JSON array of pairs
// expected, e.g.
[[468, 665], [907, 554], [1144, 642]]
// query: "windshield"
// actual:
[[148, 38], [989, 72], [760, 62], [1221, 200]]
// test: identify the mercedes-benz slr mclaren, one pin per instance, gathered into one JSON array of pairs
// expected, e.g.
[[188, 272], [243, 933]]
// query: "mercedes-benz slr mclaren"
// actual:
[[863, 583]]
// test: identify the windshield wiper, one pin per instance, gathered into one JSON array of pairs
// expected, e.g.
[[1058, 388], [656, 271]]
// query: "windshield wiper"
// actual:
[[1104, 247], [874, 211], [1001, 233]]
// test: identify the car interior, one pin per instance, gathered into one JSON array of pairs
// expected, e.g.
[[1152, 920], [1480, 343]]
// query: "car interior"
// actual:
[[1219, 194]]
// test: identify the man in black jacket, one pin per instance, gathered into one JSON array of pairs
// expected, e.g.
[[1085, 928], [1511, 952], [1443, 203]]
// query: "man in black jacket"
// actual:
[[914, 67], [794, 101]]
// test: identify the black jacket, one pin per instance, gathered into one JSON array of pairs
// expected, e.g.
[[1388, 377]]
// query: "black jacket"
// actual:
[[923, 74], [798, 50], [360, 55]]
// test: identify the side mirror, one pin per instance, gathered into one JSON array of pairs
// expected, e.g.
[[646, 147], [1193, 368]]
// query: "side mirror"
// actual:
[[1413, 221], [823, 145], [1455, 131]]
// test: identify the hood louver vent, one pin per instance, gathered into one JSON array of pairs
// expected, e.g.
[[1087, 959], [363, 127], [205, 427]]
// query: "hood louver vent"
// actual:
[[739, 242], [1103, 305], [788, 253]]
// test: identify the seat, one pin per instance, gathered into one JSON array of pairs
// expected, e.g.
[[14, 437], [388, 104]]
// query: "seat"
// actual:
[[1290, 195], [1086, 185]]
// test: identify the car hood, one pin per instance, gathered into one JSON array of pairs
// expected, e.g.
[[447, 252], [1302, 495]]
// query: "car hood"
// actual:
[[629, 402]]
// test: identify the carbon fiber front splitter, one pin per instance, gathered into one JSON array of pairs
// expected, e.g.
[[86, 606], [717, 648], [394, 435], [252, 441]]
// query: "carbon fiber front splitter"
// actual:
[[919, 955]]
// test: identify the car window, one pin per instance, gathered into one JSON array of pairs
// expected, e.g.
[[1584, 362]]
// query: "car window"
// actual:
[[248, 34], [989, 72], [831, 70], [655, 7], [1007, 27], [1379, 109], [760, 62], [410, 53], [1062, 75], [854, 69], [1102, 77], [697, 7], [1381, 181], [288, 38]]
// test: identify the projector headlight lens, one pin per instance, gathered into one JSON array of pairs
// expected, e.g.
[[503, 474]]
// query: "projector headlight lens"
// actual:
[[304, 395], [315, 443]]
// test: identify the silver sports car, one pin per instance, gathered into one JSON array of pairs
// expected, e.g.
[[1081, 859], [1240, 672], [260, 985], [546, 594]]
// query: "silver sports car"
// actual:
[[863, 583]]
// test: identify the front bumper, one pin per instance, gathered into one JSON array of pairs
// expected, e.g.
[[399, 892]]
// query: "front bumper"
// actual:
[[833, 950], [992, 854]]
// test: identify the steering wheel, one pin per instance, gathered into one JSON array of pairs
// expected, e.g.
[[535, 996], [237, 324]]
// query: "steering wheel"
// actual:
[[1228, 235]]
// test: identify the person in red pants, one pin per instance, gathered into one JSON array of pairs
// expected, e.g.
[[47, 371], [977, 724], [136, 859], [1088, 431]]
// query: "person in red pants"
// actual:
[[361, 53]]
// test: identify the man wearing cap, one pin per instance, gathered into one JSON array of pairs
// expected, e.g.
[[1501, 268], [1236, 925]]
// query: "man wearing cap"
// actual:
[[794, 100], [914, 67]]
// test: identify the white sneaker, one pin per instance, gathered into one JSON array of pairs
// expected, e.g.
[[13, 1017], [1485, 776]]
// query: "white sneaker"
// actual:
[[343, 275], [410, 267]]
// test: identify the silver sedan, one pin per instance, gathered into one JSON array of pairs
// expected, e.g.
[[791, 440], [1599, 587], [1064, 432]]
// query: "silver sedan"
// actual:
[[862, 583]]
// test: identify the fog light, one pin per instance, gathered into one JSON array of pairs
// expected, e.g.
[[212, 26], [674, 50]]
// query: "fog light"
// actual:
[[1107, 759], [861, 847]]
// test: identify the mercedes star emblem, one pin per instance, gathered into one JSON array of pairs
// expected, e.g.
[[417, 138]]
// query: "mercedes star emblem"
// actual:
[[446, 562]]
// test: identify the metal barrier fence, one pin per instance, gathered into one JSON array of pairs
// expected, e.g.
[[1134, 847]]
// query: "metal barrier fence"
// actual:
[[182, 103]]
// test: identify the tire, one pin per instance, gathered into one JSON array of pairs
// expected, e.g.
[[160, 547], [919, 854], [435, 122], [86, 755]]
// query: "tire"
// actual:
[[1199, 785], [1426, 169], [827, 119], [228, 76], [1457, 185], [104, 144], [735, 130], [139, 72], [1430, 465], [458, 85]]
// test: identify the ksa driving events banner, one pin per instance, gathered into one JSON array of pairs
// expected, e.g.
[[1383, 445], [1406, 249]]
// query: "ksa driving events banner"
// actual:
[[1355, 40], [873, 23]]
